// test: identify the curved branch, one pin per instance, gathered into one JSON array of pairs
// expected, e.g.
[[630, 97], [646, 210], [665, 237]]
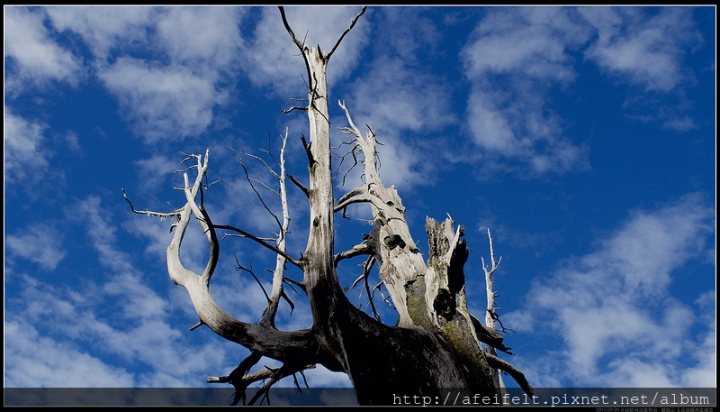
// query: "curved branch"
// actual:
[[516, 374], [296, 345], [352, 24], [162, 216], [292, 109], [357, 195], [367, 266], [250, 181], [357, 250], [291, 282], [300, 185], [261, 242], [300, 44], [250, 270]]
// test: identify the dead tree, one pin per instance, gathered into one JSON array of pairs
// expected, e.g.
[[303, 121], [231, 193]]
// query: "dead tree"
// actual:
[[436, 343]]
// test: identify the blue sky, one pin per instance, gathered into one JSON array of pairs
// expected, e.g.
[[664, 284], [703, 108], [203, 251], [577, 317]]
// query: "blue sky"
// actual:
[[584, 138]]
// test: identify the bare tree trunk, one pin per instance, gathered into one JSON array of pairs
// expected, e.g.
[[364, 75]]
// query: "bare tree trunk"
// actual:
[[405, 358], [436, 342]]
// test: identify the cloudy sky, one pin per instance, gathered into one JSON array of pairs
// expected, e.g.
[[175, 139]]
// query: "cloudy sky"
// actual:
[[584, 138]]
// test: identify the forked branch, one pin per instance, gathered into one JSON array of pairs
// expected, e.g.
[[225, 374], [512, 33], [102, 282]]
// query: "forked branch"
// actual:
[[298, 346]]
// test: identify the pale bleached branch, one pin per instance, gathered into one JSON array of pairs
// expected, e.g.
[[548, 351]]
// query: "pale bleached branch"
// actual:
[[298, 345], [357, 250], [491, 315], [278, 273]]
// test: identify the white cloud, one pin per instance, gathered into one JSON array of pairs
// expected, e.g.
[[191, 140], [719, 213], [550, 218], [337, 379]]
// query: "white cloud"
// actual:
[[25, 156], [39, 243], [528, 40], [33, 360], [139, 301], [100, 232], [491, 127], [515, 124], [516, 56], [399, 98], [89, 316], [155, 232], [72, 142], [38, 58], [620, 322], [512, 59], [681, 124], [147, 338], [704, 373], [641, 50], [155, 170], [406, 33], [162, 102], [204, 38], [172, 94], [104, 29]]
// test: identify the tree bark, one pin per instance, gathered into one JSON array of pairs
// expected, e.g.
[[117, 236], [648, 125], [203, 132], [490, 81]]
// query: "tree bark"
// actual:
[[377, 358], [435, 344]]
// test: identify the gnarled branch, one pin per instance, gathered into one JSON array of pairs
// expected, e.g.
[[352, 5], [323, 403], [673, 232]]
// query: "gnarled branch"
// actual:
[[295, 345]]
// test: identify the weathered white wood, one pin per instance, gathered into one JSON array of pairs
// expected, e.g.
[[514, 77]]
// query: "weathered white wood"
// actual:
[[489, 320], [435, 344], [396, 252]]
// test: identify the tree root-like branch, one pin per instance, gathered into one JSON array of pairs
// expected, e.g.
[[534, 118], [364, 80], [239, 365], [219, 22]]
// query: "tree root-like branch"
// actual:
[[241, 379]]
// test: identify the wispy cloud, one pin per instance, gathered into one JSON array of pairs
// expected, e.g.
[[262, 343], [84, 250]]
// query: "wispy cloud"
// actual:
[[517, 56], [104, 30], [34, 58], [162, 103], [397, 103], [513, 58], [647, 50], [172, 94], [533, 41], [615, 306], [33, 360], [39, 243], [26, 158], [155, 170], [642, 50], [87, 315]]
